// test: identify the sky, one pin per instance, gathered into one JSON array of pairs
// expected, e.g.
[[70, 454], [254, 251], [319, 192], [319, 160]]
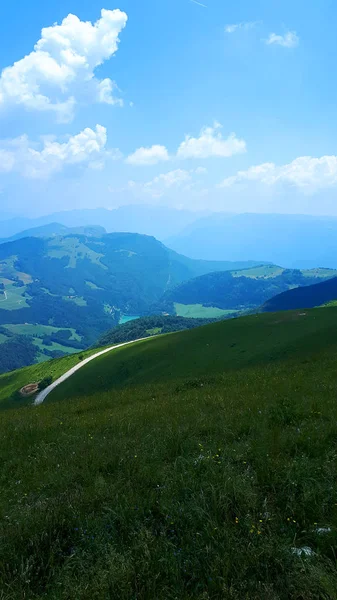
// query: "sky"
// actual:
[[192, 104]]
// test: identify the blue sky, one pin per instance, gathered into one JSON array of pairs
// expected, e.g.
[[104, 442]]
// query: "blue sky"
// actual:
[[218, 105]]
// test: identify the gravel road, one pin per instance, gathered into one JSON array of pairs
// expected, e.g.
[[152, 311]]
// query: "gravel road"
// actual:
[[40, 398]]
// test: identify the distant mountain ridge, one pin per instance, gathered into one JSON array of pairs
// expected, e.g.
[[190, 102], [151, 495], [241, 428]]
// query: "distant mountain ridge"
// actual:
[[157, 221], [56, 229], [294, 241]]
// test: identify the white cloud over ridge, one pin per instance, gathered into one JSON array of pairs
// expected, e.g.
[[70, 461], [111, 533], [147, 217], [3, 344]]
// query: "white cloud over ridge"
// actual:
[[22, 156], [211, 143], [306, 173], [288, 40], [148, 156], [62, 64]]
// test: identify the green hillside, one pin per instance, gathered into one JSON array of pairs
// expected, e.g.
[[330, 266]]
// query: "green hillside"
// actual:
[[321, 294], [83, 283], [196, 465], [217, 294]]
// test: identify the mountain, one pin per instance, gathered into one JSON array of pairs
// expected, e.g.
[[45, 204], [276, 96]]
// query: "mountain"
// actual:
[[223, 293], [160, 222], [206, 457], [308, 297], [56, 229], [63, 292], [295, 241]]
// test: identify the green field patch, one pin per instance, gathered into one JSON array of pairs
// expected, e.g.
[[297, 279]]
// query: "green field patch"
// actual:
[[3, 338], [93, 286], [79, 300], [319, 273], [154, 330], [198, 311], [40, 330], [13, 297], [260, 272], [73, 248], [53, 346], [331, 303]]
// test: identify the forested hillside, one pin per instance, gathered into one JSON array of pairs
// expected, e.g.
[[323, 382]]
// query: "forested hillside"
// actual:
[[149, 326], [308, 297], [63, 292], [237, 290]]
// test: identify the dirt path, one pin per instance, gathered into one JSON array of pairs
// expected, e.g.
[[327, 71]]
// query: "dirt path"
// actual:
[[40, 398]]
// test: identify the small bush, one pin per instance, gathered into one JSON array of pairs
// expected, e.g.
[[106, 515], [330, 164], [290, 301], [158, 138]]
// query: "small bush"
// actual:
[[45, 382]]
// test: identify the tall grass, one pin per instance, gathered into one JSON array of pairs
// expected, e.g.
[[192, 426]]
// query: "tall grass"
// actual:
[[203, 487]]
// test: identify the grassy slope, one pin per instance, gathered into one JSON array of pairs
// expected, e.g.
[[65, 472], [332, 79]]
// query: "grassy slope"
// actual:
[[198, 311], [187, 466], [15, 380]]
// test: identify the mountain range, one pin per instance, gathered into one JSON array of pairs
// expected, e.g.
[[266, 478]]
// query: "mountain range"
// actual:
[[64, 291], [294, 241]]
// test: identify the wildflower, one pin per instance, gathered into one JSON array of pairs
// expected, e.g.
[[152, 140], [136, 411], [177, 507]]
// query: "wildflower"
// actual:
[[236, 520]]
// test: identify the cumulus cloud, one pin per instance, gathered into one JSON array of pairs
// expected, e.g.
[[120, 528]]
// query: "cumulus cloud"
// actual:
[[36, 162], [236, 26], [148, 156], [62, 66], [211, 143], [288, 40], [306, 173]]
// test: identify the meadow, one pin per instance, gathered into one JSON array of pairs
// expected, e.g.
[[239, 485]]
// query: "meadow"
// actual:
[[197, 465]]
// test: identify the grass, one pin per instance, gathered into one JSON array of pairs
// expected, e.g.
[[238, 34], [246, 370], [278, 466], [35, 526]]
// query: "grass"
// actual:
[[13, 298], [53, 346], [262, 271], [15, 380], [198, 311], [319, 272], [39, 330], [75, 250], [79, 300], [190, 466]]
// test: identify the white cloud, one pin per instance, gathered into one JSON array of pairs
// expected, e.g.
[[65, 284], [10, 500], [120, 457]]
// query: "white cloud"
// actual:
[[288, 40], [22, 156], [305, 173], [177, 179], [148, 156], [211, 143], [62, 66], [167, 180], [235, 26]]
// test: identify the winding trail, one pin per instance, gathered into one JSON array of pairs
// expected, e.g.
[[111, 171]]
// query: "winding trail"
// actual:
[[40, 398]]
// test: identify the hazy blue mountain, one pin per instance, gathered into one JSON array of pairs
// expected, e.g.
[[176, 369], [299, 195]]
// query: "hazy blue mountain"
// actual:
[[294, 241], [56, 229], [160, 222]]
